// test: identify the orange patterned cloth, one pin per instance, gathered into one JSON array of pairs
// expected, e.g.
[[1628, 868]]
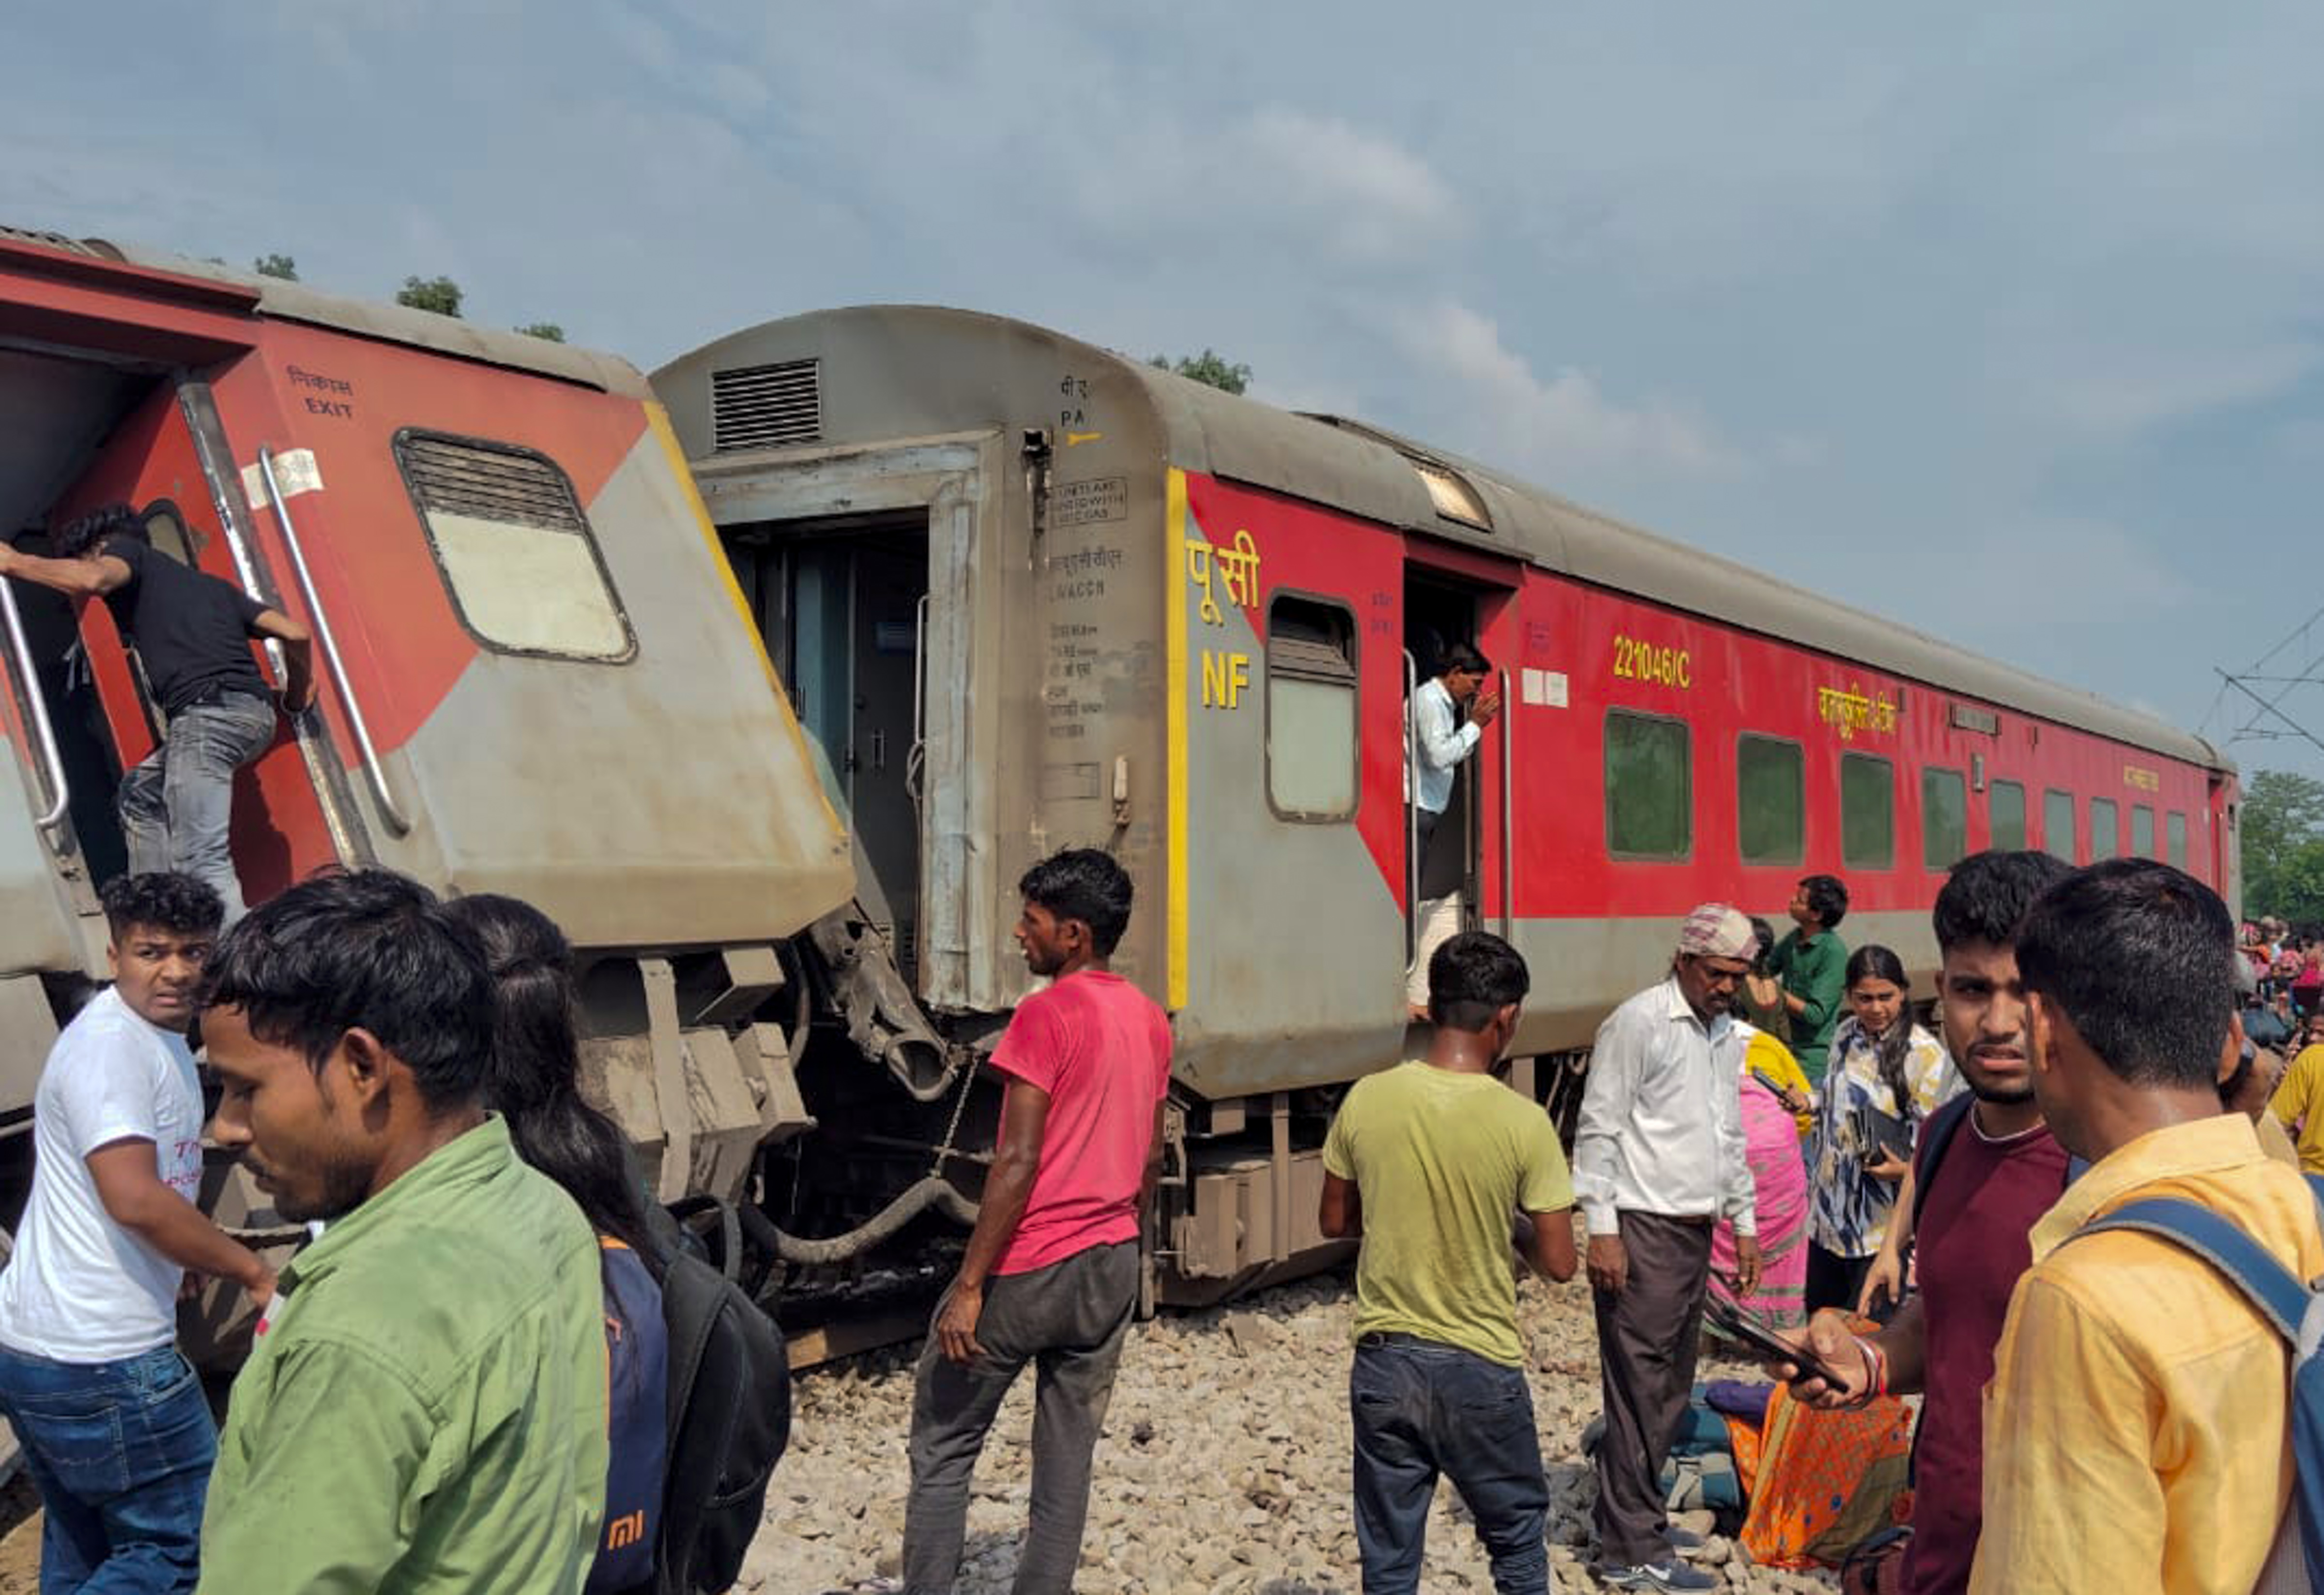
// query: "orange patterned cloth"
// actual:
[[1822, 1483]]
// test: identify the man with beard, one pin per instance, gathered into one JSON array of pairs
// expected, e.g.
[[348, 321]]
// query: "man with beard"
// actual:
[[1659, 1158], [426, 1409], [1989, 1167], [1050, 1276], [117, 1434]]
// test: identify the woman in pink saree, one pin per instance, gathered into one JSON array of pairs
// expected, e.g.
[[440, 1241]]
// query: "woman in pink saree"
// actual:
[[1775, 1092]]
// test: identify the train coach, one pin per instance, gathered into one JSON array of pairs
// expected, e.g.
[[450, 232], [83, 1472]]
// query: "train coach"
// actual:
[[1028, 593], [534, 674]]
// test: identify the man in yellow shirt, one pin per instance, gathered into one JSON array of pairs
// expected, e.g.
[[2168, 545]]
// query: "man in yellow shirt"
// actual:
[[1431, 1162], [2298, 1106], [2136, 1428]]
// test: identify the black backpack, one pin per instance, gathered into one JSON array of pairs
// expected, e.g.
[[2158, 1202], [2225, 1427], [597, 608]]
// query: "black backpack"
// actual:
[[730, 1417]]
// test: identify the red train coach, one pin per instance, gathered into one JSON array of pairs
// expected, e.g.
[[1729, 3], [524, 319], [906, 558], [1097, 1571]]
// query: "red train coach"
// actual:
[[1029, 593], [534, 674]]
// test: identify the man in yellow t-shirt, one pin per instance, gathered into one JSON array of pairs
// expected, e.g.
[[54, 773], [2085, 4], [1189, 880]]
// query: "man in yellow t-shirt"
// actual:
[[1430, 1163], [2298, 1106]]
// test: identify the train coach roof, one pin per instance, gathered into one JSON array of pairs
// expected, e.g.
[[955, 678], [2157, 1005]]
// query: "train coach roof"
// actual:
[[935, 369], [445, 335]]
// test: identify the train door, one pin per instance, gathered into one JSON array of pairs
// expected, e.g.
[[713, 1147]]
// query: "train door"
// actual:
[[1471, 851], [844, 610], [169, 458]]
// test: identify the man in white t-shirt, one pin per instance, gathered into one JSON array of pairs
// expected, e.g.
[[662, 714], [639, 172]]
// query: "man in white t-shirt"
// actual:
[[117, 1435]]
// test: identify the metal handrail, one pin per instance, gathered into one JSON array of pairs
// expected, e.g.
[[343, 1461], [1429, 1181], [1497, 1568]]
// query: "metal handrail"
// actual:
[[374, 772], [1509, 817], [43, 732], [1411, 809]]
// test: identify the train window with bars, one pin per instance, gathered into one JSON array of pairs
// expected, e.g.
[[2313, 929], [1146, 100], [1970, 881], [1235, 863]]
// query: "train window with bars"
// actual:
[[1771, 799], [2174, 840], [1649, 787], [1944, 818], [2142, 830], [1868, 812], [2106, 829], [2004, 813], [515, 550], [1311, 709], [2058, 825]]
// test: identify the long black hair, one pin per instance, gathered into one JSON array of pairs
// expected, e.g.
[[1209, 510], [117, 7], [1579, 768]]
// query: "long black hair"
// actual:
[[535, 1077], [1872, 962]]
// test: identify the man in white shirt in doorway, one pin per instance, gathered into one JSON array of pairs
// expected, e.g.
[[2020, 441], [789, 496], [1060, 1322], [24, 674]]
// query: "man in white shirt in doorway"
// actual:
[[116, 1433], [1658, 1160], [1440, 741]]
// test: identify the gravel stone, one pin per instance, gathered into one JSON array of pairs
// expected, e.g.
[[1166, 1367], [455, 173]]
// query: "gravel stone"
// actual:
[[1223, 1466]]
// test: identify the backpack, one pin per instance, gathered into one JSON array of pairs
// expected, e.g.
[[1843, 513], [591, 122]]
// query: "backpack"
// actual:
[[730, 1418], [2296, 1563]]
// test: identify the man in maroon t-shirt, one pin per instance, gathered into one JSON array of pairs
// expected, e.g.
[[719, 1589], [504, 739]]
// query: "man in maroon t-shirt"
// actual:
[[1050, 1275], [1996, 1172]]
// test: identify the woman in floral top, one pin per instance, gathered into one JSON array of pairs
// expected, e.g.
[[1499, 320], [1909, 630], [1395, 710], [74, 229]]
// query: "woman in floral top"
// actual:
[[1887, 1076]]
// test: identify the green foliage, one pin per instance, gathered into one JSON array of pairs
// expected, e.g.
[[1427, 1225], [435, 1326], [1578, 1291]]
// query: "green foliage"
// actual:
[[1209, 366], [2281, 829], [439, 294], [547, 331], [276, 265]]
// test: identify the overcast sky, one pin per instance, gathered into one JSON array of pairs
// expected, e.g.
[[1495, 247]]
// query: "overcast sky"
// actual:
[[2008, 321]]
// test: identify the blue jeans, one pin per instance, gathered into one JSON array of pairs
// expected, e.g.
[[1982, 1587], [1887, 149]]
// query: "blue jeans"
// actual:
[[1422, 1409], [121, 1453], [177, 805]]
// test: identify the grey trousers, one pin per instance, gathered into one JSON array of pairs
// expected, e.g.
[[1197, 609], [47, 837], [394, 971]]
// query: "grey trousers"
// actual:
[[1069, 1321], [177, 805], [1647, 1342]]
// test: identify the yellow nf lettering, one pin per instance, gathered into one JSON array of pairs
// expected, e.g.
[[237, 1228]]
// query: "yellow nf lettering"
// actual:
[[1224, 675], [625, 1531]]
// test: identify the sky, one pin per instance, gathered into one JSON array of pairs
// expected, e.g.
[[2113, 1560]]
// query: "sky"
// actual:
[[2004, 321]]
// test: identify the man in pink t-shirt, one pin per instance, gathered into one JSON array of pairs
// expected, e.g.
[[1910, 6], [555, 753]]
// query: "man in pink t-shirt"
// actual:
[[1050, 1276]]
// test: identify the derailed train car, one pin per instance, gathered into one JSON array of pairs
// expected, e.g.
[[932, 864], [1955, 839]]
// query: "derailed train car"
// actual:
[[1028, 593], [535, 677]]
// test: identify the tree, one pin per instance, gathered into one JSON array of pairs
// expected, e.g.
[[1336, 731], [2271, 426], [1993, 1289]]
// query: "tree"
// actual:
[[1209, 366], [439, 294], [276, 265], [2281, 829], [547, 331]]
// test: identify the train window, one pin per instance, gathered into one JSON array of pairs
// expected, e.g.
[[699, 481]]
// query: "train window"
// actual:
[[1771, 798], [2142, 830], [515, 549], [2058, 825], [1944, 818], [1311, 709], [2005, 812], [2174, 839], [2106, 829], [1649, 787], [1868, 812]]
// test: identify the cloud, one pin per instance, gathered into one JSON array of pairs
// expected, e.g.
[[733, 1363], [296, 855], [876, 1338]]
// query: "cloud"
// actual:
[[1559, 423], [2133, 395], [1331, 192]]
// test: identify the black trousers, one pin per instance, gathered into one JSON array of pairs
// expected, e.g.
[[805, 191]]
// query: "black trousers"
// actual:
[[1647, 1342]]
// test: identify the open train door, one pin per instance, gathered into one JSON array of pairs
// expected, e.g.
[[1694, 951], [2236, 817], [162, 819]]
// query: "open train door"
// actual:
[[168, 461]]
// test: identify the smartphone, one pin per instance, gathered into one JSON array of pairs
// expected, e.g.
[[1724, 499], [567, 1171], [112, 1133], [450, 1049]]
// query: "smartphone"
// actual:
[[1737, 1324]]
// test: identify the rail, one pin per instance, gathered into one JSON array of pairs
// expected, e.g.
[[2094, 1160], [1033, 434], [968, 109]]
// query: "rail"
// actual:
[[1509, 817], [374, 772], [1411, 810], [43, 732]]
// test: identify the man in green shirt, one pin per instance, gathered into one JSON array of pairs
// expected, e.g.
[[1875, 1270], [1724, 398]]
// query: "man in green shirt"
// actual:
[[1430, 1162], [1812, 965], [425, 1407]]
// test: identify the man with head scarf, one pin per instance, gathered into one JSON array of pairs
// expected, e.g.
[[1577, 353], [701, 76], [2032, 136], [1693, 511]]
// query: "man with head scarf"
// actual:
[[1659, 1159]]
